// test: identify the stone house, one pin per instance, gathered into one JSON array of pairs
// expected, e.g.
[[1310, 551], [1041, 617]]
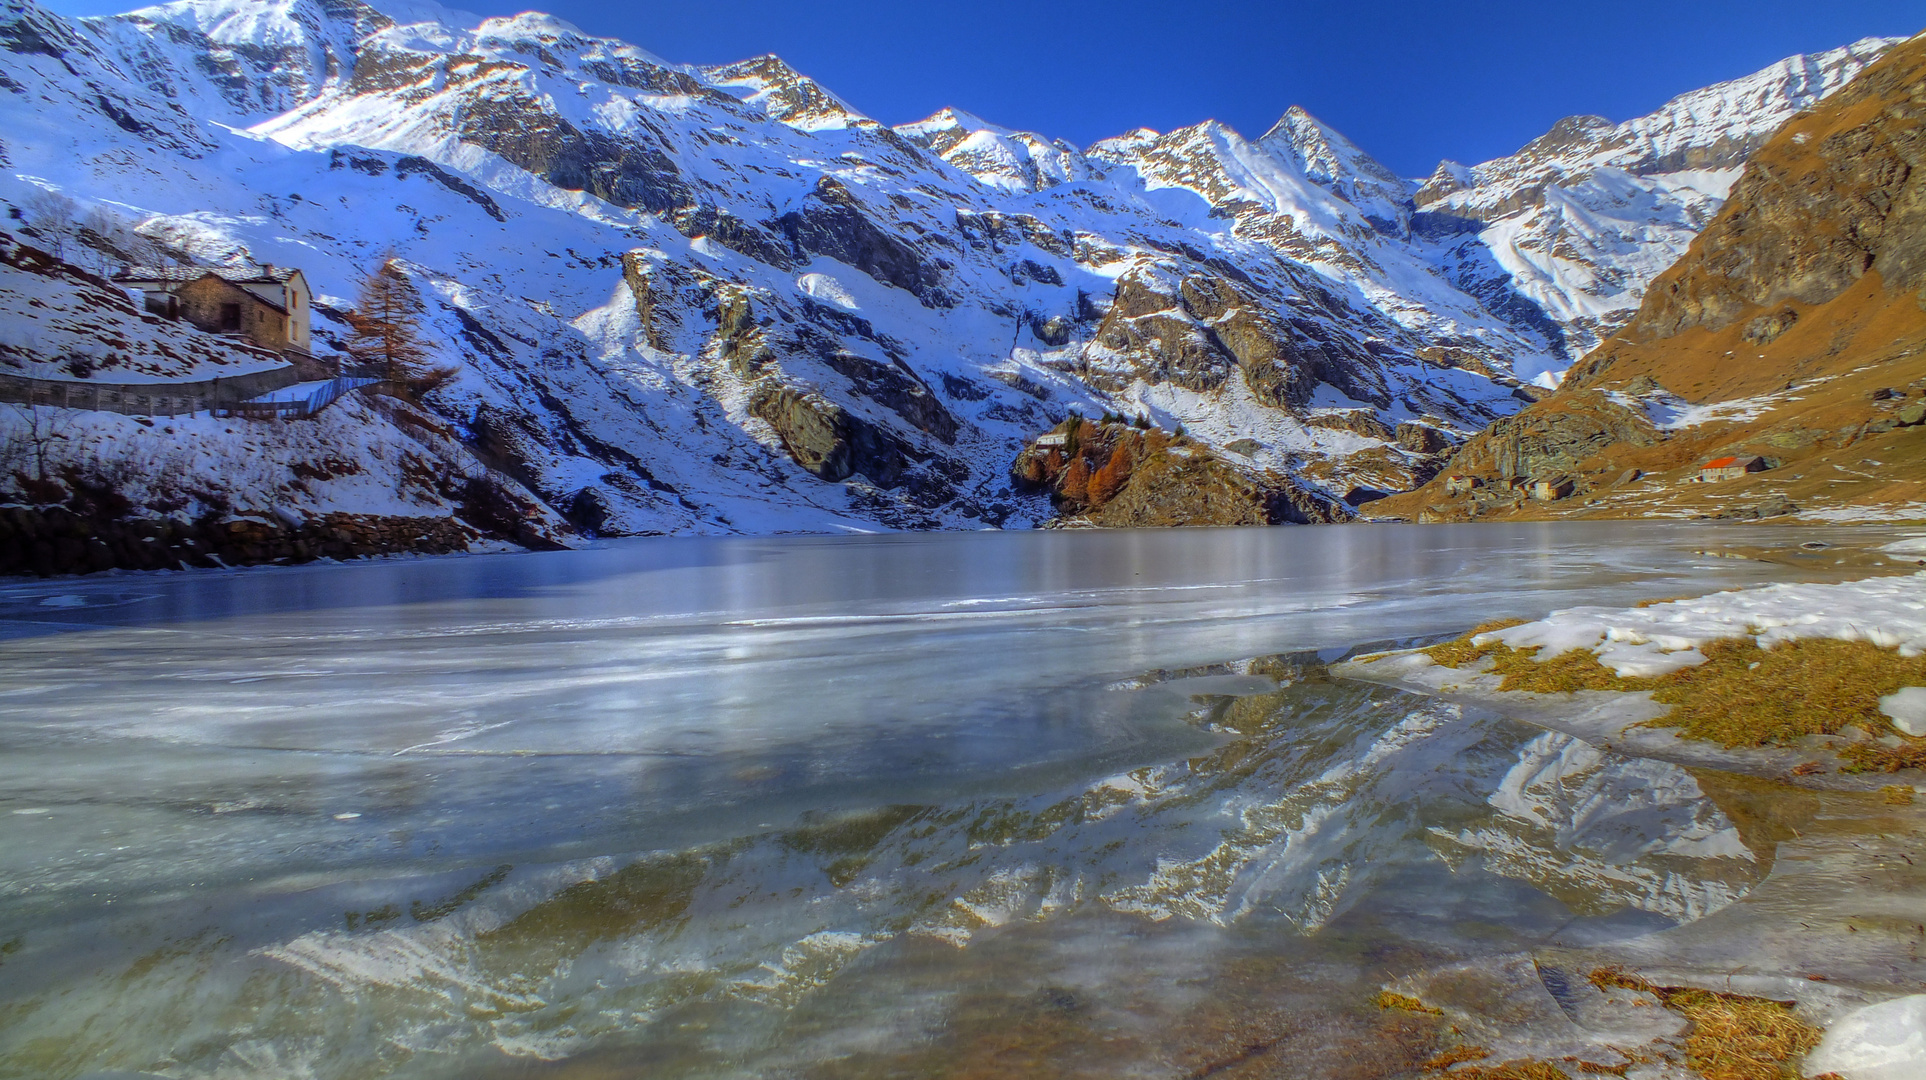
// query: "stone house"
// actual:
[[268, 305], [1460, 484], [1551, 490], [1730, 468]]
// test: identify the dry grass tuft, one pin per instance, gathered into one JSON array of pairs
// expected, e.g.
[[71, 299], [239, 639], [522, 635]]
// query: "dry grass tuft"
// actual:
[[1911, 755], [1747, 696], [1741, 1038], [1388, 999], [1457, 1055], [1733, 1037], [1523, 1069], [1897, 794], [1569, 671], [1742, 695], [1460, 651]]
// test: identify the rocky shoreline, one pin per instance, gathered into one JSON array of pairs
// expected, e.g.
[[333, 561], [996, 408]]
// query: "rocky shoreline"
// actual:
[[46, 541]]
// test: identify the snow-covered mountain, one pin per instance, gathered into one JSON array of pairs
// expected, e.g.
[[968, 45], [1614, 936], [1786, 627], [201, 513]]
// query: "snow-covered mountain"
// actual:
[[720, 299]]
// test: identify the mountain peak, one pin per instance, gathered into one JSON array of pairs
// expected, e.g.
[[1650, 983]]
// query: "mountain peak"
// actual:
[[1335, 163], [783, 92]]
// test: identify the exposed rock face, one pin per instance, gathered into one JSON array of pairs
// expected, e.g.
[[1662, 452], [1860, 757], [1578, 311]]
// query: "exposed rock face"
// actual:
[[1118, 476], [1837, 194], [1793, 329], [1557, 437], [50, 540], [825, 439], [833, 223]]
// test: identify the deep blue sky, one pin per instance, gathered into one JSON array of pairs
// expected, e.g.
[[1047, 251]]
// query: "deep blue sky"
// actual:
[[1411, 81]]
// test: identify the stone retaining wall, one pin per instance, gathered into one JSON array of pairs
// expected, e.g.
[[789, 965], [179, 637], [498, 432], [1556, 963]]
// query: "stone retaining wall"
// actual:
[[51, 540], [145, 399]]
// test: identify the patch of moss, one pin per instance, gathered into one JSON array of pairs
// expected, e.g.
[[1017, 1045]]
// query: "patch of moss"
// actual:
[[1388, 999]]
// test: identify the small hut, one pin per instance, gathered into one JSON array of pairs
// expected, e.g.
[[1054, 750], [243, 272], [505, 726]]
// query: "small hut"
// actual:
[[1730, 468]]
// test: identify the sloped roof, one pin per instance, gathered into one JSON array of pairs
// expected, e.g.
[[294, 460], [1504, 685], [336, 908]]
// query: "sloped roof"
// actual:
[[1730, 462], [239, 275]]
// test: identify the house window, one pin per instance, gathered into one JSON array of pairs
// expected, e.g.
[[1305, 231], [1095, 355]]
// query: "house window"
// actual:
[[230, 316]]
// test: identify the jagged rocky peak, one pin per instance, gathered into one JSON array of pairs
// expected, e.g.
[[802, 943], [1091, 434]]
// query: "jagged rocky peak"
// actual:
[[1712, 129], [1448, 177], [1334, 162], [786, 94], [1121, 149], [998, 156]]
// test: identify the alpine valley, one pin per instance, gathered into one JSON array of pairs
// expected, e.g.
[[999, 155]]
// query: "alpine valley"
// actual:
[[683, 299]]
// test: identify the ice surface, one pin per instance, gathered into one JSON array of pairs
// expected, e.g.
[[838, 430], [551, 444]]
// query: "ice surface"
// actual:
[[1907, 709], [675, 795], [1886, 1041]]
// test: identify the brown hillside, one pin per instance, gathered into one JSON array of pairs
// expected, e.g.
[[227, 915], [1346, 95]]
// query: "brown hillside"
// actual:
[[1798, 316]]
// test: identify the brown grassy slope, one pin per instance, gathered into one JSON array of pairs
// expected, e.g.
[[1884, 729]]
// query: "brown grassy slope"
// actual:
[[1805, 290]]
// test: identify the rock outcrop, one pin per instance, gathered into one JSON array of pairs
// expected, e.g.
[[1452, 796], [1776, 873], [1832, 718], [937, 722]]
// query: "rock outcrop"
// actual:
[[1115, 475]]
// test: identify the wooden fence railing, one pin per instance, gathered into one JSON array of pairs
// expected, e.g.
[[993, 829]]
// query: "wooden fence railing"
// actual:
[[143, 399], [298, 408]]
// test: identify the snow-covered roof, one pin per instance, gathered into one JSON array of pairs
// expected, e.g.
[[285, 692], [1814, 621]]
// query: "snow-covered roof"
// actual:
[[238, 275]]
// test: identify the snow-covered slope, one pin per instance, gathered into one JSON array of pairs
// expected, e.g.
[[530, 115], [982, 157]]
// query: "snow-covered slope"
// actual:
[[720, 299]]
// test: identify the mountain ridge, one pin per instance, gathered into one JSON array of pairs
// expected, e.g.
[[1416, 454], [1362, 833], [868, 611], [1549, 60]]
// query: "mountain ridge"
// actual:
[[720, 299]]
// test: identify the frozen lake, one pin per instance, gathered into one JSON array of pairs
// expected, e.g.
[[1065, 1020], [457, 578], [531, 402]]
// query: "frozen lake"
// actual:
[[1069, 803]]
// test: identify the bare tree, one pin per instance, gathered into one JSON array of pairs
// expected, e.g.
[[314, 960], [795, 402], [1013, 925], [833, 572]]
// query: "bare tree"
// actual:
[[103, 239], [30, 441], [51, 216]]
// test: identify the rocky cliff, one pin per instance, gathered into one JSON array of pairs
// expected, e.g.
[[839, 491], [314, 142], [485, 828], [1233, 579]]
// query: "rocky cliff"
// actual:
[[1793, 330], [1117, 475]]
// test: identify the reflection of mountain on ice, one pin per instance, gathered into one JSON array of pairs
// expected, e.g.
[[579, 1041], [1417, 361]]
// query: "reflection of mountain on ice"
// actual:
[[1325, 789], [1601, 832]]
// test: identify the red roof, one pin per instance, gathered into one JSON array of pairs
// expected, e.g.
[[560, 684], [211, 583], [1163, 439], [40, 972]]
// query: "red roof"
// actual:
[[1720, 463]]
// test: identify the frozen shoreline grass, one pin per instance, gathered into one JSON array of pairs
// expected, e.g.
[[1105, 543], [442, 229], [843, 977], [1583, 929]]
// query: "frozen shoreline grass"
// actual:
[[1741, 696], [1733, 1037]]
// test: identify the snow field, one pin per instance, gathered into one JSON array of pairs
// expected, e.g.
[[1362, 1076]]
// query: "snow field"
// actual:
[[1650, 641]]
